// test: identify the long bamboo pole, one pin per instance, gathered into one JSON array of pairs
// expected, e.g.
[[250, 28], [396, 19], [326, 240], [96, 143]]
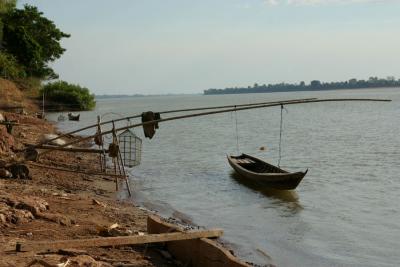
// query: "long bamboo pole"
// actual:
[[216, 112], [66, 149], [165, 112], [87, 172]]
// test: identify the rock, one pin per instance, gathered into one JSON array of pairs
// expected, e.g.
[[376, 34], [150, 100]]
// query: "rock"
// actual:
[[31, 154], [22, 135], [57, 218], [21, 216], [33, 204], [3, 218], [21, 210], [1, 118], [129, 232], [96, 202], [113, 230], [19, 171], [5, 174], [118, 232], [6, 141], [85, 260]]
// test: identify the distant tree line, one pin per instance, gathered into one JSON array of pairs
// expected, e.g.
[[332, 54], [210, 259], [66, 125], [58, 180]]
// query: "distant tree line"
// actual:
[[315, 85]]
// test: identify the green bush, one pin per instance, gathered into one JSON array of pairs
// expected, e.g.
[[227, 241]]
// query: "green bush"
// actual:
[[9, 68], [69, 96]]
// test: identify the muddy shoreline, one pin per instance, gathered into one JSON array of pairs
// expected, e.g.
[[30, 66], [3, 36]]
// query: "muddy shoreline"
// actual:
[[60, 205], [56, 204]]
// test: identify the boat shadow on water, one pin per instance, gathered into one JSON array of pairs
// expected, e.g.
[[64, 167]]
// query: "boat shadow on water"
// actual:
[[285, 196]]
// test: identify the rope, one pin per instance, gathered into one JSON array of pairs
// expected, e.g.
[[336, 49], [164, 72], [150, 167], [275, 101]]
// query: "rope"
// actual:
[[237, 133], [280, 138]]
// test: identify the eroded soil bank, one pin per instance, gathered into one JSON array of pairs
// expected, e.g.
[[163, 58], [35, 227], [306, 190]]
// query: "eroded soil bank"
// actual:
[[55, 205]]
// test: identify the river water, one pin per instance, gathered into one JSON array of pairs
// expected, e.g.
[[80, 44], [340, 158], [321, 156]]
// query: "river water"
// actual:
[[345, 212]]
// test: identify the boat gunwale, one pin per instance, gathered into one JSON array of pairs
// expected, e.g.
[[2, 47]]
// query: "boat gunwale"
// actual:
[[269, 175]]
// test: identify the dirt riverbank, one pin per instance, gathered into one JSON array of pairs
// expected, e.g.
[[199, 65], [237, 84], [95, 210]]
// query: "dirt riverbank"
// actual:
[[55, 205]]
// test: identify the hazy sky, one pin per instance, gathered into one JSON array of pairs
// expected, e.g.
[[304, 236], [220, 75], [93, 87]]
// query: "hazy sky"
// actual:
[[170, 46]]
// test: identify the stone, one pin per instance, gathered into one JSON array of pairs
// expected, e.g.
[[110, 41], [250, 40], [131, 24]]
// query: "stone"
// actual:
[[21, 216], [85, 260], [3, 218], [19, 171], [56, 218], [5, 174], [1, 118], [35, 205], [31, 154]]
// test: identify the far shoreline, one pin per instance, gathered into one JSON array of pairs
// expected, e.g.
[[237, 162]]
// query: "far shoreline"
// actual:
[[305, 90], [103, 97]]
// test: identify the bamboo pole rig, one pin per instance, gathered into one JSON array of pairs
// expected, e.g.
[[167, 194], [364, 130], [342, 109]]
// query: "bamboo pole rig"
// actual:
[[164, 112], [292, 102]]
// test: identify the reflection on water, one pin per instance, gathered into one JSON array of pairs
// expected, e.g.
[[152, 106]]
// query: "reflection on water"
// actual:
[[288, 196]]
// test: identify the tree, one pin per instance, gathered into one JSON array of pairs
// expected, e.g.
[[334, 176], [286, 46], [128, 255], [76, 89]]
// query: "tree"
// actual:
[[5, 6], [33, 40], [9, 68], [315, 84], [353, 81]]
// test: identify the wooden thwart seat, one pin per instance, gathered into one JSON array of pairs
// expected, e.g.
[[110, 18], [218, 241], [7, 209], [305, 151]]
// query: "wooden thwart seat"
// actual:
[[244, 161]]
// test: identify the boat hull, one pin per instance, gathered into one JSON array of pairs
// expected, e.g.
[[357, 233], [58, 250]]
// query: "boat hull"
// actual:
[[72, 117], [263, 174]]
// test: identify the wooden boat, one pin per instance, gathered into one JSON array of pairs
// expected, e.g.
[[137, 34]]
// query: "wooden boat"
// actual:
[[73, 117], [61, 117], [264, 174]]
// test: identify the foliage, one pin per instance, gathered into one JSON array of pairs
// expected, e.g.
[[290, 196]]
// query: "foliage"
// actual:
[[70, 96], [9, 68], [5, 6], [372, 82], [30, 85], [33, 39]]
